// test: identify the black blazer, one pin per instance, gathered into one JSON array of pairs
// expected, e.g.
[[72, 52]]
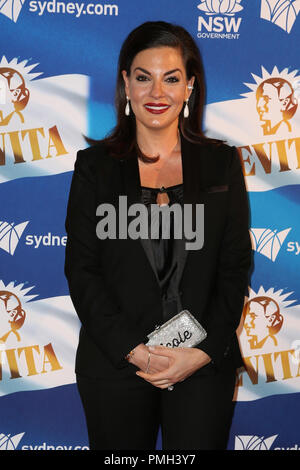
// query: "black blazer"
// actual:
[[112, 282]]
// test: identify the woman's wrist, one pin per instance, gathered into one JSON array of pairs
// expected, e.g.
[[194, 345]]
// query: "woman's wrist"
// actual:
[[148, 363], [204, 358], [138, 355], [129, 355]]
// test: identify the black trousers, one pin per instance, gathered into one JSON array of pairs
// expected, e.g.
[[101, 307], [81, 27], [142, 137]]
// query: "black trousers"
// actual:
[[126, 414]]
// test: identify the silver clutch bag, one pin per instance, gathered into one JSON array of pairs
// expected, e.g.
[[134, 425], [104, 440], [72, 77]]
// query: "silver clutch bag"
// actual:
[[183, 330]]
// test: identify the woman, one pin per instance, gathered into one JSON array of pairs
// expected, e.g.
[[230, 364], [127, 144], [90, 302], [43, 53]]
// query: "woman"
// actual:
[[122, 287]]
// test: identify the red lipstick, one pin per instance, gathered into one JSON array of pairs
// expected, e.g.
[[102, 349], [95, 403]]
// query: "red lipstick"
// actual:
[[157, 108]]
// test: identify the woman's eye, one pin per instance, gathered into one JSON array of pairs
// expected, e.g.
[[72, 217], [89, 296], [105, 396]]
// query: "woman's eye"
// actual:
[[142, 78], [172, 79]]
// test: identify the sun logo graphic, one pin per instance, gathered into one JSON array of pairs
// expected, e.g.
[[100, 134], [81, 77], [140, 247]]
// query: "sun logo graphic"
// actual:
[[11, 8], [42, 120], [268, 242], [14, 93], [10, 235], [264, 125], [12, 315], [2, 91], [9, 442], [276, 99], [253, 442], [283, 13], [223, 7], [262, 321], [37, 339], [269, 334]]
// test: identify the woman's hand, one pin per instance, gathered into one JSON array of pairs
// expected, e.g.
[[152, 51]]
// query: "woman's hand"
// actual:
[[141, 360], [183, 362]]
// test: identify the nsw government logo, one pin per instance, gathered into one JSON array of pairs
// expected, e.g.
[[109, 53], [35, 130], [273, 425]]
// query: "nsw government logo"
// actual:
[[218, 19]]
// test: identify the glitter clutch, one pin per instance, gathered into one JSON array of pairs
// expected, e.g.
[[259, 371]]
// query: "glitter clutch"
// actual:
[[182, 330]]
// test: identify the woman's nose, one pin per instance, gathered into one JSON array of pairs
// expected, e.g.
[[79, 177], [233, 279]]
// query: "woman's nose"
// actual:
[[157, 89]]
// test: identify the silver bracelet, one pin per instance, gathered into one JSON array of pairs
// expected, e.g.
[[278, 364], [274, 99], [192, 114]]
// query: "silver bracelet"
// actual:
[[148, 364]]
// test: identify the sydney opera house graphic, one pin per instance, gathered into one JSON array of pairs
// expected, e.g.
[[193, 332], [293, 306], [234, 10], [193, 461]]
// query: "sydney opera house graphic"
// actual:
[[253, 442], [10, 442], [283, 13], [10, 235], [11, 8], [268, 242]]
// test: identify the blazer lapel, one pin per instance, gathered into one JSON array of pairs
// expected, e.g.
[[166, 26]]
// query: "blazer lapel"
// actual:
[[192, 161], [132, 187], [191, 170]]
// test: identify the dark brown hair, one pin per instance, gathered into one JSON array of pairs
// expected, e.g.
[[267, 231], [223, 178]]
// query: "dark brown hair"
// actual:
[[122, 139]]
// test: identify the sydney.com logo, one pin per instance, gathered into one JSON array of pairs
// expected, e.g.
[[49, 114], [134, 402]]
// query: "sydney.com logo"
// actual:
[[12, 8], [9, 442]]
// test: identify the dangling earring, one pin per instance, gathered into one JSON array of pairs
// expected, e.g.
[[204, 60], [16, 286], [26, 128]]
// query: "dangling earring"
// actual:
[[186, 111], [127, 107]]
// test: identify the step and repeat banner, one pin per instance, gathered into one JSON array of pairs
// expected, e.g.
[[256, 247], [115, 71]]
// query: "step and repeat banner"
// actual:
[[58, 63]]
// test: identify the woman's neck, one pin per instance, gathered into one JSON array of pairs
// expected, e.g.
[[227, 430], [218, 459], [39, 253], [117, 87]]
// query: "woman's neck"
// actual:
[[162, 142]]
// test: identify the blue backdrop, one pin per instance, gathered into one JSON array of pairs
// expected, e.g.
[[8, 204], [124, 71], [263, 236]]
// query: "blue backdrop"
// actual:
[[57, 74]]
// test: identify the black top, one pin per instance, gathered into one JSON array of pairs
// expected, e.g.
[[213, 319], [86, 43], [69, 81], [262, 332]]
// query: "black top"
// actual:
[[165, 248]]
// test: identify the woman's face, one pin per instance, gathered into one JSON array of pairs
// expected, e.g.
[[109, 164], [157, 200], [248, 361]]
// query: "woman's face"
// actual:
[[157, 87]]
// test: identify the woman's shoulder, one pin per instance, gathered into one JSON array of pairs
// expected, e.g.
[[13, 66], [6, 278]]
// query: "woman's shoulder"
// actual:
[[219, 147], [96, 150], [213, 150], [223, 152], [215, 158], [95, 155]]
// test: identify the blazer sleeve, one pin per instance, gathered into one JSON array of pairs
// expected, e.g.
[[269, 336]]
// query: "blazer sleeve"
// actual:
[[234, 262], [102, 319]]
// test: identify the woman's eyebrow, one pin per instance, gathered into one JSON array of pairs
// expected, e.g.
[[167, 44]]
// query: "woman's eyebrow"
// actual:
[[142, 70], [148, 73], [173, 71]]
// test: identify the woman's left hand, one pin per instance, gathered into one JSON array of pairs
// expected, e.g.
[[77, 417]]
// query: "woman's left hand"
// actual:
[[183, 363]]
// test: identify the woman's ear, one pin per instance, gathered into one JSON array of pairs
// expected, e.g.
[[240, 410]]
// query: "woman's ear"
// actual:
[[126, 81], [190, 86]]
